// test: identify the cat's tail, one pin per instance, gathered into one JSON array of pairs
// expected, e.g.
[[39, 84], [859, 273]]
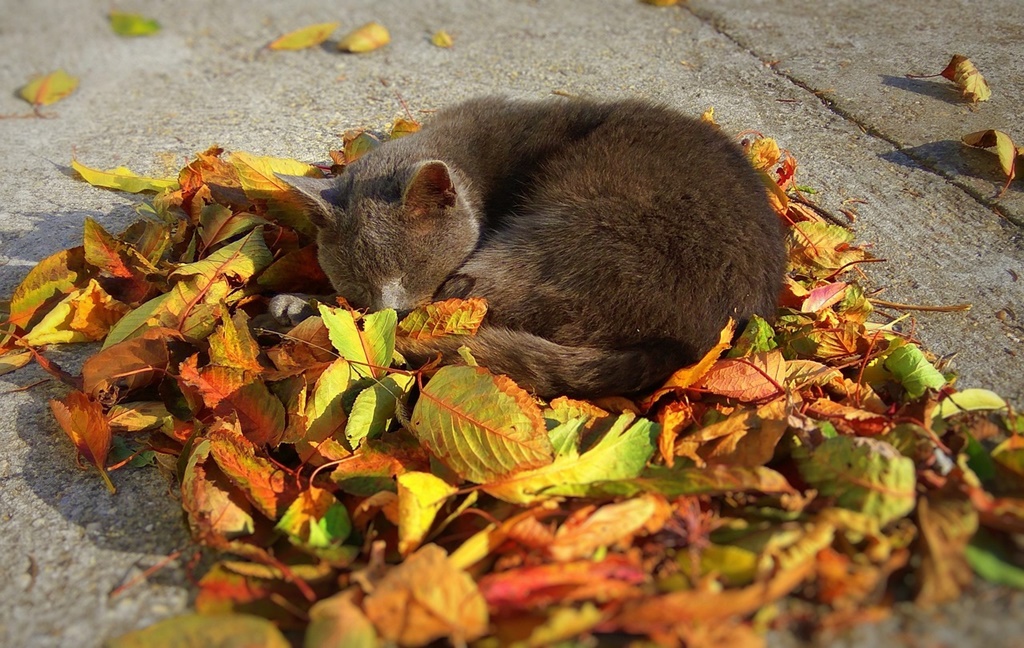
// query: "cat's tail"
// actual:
[[549, 369]]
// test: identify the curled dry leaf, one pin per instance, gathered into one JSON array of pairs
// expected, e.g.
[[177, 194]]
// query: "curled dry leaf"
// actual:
[[1005, 149], [365, 39], [966, 76]]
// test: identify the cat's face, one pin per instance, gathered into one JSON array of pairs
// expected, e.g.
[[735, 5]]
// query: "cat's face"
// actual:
[[389, 240]]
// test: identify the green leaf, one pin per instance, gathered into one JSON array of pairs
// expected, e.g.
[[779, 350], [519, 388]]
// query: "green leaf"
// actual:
[[718, 479], [193, 305], [912, 370], [988, 559], [861, 474], [128, 24], [969, 400], [219, 630], [369, 348], [481, 426], [621, 454], [375, 406], [325, 412], [757, 337]]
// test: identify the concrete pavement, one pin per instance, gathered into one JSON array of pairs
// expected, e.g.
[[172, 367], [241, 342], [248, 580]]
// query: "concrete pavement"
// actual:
[[824, 78]]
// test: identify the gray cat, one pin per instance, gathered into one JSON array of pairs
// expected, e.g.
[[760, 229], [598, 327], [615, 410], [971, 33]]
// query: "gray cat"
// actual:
[[612, 240]]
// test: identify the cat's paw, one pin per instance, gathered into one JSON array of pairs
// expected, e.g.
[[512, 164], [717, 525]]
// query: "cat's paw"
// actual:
[[289, 310]]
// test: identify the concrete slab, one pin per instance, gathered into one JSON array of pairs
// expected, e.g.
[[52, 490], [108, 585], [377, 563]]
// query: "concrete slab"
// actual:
[[150, 103], [855, 56]]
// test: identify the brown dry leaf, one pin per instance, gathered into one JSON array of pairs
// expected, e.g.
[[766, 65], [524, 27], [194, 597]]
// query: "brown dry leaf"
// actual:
[[426, 598], [365, 39], [963, 73], [127, 366], [217, 511], [947, 526], [82, 419]]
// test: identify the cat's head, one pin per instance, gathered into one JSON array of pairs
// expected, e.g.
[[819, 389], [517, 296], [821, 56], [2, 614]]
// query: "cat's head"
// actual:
[[389, 234]]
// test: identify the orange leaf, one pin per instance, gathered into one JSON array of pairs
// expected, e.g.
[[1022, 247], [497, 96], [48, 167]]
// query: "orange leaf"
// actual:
[[264, 484], [608, 525], [689, 375], [747, 379], [83, 421]]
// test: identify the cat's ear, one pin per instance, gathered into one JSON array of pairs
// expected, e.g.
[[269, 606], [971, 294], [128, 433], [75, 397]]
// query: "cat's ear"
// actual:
[[317, 196], [430, 189]]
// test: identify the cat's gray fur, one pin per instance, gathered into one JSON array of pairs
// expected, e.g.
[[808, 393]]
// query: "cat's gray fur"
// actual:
[[612, 240]]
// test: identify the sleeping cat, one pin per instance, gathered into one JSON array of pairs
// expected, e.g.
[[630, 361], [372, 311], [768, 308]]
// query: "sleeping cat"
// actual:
[[612, 240]]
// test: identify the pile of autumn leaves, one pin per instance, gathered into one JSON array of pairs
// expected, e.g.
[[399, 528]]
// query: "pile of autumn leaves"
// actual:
[[355, 500]]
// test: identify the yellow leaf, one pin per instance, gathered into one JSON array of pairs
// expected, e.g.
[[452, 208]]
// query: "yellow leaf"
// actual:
[[441, 38], [403, 127], [365, 39], [1005, 149], [123, 179], [963, 73], [84, 315], [660, 3], [128, 24], [764, 153], [708, 117], [50, 88], [305, 37], [420, 496]]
